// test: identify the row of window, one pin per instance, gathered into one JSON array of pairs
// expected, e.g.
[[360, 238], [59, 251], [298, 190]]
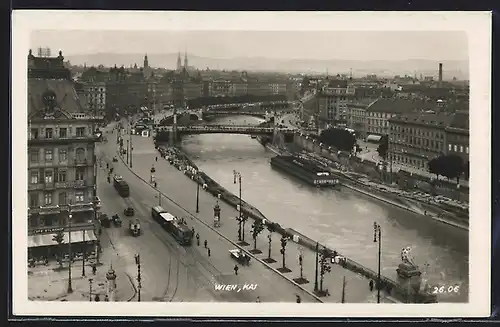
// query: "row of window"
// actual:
[[458, 148], [49, 198], [50, 176], [419, 141], [378, 122], [417, 131], [54, 220], [64, 132], [62, 154], [414, 162]]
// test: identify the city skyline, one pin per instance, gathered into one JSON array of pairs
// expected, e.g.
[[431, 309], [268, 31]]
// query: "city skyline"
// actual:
[[292, 45]]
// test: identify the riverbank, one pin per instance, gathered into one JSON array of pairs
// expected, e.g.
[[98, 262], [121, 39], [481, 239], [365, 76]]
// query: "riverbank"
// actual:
[[417, 207], [183, 163]]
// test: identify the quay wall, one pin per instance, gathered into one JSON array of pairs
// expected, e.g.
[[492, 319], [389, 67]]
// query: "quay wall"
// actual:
[[391, 287]]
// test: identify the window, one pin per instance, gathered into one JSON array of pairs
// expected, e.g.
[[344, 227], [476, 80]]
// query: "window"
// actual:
[[80, 131], [80, 154], [49, 177], [48, 154], [461, 149], [63, 198], [449, 147], [79, 197], [455, 148], [48, 133], [467, 149], [34, 156], [50, 220], [47, 196], [34, 177], [34, 133], [34, 200], [63, 132], [80, 173], [62, 176], [33, 222], [63, 155]]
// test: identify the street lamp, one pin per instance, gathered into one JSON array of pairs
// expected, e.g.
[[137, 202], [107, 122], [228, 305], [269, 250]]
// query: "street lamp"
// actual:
[[128, 146], [197, 197], [90, 289], [378, 230], [131, 150], [70, 216], [139, 285]]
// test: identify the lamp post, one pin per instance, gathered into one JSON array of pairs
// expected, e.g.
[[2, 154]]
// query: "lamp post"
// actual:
[[83, 255], [197, 197], [237, 175], [128, 146], [90, 289], [70, 216], [131, 150], [378, 230], [316, 271]]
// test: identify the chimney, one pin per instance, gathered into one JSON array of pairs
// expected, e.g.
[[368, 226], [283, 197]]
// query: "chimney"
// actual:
[[440, 74]]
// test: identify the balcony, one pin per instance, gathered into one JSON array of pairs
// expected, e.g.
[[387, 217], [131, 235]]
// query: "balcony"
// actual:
[[79, 184], [81, 162], [36, 187], [55, 209]]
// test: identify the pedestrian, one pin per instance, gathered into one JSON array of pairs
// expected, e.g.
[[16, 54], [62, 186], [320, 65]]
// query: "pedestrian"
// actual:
[[371, 285], [208, 251], [106, 298], [236, 269], [94, 269], [205, 243], [155, 184], [192, 230], [258, 299], [107, 166], [298, 298], [109, 180], [156, 159], [97, 298], [198, 239]]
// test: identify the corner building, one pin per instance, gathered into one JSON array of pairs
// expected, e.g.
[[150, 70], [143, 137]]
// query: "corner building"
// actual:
[[61, 161]]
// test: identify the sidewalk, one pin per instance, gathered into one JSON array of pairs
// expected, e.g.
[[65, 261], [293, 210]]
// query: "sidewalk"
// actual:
[[47, 284], [357, 289]]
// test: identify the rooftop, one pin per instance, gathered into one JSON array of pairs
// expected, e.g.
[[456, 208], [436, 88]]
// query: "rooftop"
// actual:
[[460, 120], [337, 83], [430, 119], [63, 90], [397, 105]]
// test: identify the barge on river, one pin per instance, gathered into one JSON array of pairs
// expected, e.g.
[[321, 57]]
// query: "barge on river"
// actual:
[[305, 170]]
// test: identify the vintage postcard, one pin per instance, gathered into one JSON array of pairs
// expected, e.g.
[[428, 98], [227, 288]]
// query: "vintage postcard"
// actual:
[[251, 164]]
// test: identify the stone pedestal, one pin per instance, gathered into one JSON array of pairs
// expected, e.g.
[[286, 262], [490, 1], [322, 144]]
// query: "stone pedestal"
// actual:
[[111, 285]]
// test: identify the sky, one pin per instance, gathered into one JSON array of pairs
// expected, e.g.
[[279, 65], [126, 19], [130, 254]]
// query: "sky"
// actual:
[[355, 45]]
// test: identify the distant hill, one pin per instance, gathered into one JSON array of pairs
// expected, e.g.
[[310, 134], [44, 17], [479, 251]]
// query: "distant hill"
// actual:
[[451, 68]]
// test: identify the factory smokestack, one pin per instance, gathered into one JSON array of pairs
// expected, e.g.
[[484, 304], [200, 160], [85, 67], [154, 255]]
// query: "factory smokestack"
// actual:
[[440, 74]]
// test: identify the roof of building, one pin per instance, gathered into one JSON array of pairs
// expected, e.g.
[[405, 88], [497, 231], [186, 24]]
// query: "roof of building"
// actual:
[[397, 105], [337, 83], [460, 120], [429, 119], [65, 95]]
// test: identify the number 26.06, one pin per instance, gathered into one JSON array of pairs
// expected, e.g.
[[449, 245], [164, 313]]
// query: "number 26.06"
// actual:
[[444, 289]]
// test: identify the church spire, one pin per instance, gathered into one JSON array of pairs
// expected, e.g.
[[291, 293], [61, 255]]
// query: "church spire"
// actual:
[[146, 63], [179, 61], [185, 59]]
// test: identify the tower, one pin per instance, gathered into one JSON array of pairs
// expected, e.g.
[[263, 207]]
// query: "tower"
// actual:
[[146, 63], [179, 65], [440, 74], [185, 60]]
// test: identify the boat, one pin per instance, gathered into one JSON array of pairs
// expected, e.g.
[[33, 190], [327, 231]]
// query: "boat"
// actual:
[[305, 170]]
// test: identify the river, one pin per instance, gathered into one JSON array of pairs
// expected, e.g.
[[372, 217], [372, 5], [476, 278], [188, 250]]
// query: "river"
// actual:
[[342, 220]]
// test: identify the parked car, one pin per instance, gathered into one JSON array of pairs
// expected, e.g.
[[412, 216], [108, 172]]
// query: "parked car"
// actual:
[[129, 212]]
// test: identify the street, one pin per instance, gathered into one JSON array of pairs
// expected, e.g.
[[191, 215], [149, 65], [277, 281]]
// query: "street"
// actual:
[[171, 272], [180, 189]]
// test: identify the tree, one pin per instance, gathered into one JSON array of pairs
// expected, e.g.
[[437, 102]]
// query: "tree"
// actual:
[[383, 147], [257, 228], [435, 166], [271, 228], [283, 241], [339, 138], [244, 219], [59, 239], [452, 166], [325, 267]]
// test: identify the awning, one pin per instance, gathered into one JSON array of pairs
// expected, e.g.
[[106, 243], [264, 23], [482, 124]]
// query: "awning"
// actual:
[[373, 138], [39, 240]]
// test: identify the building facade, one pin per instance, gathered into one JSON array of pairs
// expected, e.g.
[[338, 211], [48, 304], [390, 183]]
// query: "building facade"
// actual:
[[61, 161], [457, 137], [417, 138], [332, 102], [95, 94]]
